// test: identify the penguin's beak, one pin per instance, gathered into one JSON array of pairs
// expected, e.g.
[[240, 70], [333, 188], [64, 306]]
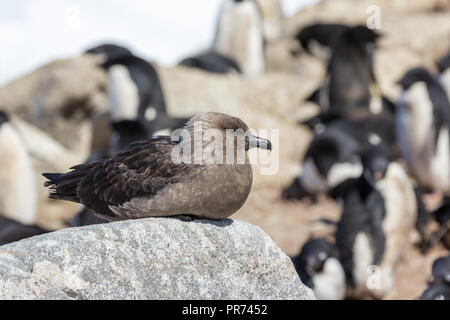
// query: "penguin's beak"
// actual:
[[254, 141]]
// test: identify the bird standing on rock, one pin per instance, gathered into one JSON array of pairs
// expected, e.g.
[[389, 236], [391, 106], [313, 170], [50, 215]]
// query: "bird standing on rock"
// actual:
[[144, 180]]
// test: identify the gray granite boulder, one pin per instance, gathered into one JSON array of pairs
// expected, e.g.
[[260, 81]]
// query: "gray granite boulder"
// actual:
[[156, 258]]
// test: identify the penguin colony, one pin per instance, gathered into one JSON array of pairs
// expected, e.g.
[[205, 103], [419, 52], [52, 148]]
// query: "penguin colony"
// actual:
[[377, 158], [363, 149]]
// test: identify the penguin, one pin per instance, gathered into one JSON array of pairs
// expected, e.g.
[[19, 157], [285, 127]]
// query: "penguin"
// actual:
[[436, 292], [18, 199], [444, 73], [319, 39], [212, 62], [134, 88], [380, 127], [401, 209], [332, 157], [12, 231], [359, 236], [319, 268], [351, 81], [441, 270], [334, 154], [422, 125], [379, 213], [240, 35], [438, 287]]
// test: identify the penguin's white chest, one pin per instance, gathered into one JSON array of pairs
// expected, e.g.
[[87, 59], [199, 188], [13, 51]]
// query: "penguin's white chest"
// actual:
[[363, 257], [240, 36], [340, 172], [330, 283], [440, 162], [399, 201], [414, 126], [123, 95], [400, 218]]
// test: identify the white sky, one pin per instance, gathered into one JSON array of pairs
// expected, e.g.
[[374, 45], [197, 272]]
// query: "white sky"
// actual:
[[34, 32]]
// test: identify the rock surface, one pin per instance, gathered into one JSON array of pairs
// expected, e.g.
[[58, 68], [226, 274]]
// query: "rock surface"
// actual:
[[156, 258], [59, 98]]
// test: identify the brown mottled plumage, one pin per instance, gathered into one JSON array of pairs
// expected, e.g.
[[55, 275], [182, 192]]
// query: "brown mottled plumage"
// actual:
[[143, 181]]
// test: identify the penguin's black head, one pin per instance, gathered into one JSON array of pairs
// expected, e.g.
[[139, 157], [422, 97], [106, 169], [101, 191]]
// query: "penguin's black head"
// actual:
[[375, 161], [306, 35], [413, 76], [444, 63], [111, 51], [325, 153], [361, 35], [442, 214], [441, 270], [436, 292], [3, 117], [324, 33], [314, 254]]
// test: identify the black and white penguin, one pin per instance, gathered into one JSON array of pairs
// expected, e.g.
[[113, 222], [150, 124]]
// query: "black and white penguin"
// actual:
[[436, 291], [332, 157], [240, 35], [18, 197], [351, 81], [319, 39], [422, 124], [319, 268], [212, 62], [334, 154], [134, 88], [12, 231], [444, 73], [438, 287], [441, 270], [379, 213], [379, 127], [359, 236]]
